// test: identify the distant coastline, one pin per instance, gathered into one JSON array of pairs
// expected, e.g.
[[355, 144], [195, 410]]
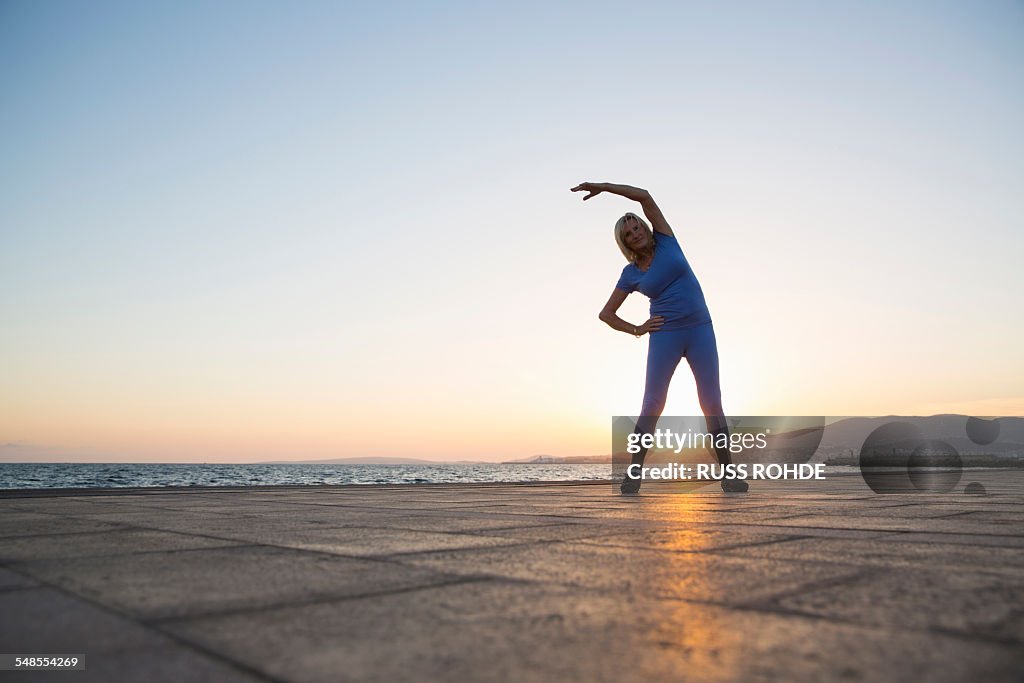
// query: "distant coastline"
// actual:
[[373, 460]]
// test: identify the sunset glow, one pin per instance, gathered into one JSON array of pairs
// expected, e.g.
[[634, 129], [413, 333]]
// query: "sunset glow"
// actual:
[[350, 233]]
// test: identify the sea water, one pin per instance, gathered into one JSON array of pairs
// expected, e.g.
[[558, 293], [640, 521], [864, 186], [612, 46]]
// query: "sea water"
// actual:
[[90, 475]]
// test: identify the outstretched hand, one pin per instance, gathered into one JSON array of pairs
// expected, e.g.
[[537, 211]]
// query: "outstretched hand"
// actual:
[[594, 189]]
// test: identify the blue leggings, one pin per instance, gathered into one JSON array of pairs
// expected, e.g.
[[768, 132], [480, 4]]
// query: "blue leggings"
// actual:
[[665, 349]]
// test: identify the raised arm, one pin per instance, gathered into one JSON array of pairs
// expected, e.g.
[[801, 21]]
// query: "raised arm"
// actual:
[[650, 208], [609, 317]]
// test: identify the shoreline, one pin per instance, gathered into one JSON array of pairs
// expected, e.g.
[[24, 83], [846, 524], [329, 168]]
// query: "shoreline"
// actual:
[[776, 486], [140, 490]]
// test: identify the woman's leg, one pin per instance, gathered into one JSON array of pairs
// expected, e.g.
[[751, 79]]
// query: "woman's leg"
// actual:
[[702, 355], [664, 351]]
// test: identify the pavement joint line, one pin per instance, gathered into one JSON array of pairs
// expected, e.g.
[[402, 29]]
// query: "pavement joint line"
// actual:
[[757, 543], [483, 532], [798, 514], [155, 508], [122, 527], [677, 524], [241, 545], [768, 603], [721, 552], [188, 646], [870, 626], [893, 535], [455, 580], [436, 511], [870, 564], [504, 546], [533, 526], [999, 640], [117, 527], [837, 528], [662, 524], [754, 606], [766, 608], [384, 557], [959, 514], [135, 553], [734, 546], [717, 552], [473, 532], [433, 511], [47, 513], [175, 551], [696, 522], [451, 579]]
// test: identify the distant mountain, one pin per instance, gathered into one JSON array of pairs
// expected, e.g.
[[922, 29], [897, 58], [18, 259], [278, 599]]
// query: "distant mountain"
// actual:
[[561, 460]]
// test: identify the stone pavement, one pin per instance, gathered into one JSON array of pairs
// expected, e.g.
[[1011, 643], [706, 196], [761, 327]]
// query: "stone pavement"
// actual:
[[544, 582]]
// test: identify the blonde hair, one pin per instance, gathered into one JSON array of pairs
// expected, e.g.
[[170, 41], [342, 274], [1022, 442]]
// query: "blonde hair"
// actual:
[[620, 225]]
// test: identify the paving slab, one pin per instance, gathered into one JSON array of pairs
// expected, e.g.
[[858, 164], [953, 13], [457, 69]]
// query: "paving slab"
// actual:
[[34, 523], [973, 604], [560, 531], [697, 576], [365, 541], [890, 551], [161, 584], [47, 621], [687, 540], [12, 580], [102, 544]]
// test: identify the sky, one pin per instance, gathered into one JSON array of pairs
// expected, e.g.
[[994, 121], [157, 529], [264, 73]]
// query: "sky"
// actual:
[[244, 231]]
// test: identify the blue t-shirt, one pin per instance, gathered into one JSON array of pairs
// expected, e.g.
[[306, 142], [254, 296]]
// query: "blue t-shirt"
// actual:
[[670, 284]]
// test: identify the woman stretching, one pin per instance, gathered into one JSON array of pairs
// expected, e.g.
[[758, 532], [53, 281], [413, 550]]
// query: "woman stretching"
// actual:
[[679, 326]]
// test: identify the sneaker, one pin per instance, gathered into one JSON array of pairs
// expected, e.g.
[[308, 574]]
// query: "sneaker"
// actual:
[[735, 486], [629, 485]]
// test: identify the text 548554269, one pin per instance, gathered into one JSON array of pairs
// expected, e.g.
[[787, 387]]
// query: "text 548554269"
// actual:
[[36, 662]]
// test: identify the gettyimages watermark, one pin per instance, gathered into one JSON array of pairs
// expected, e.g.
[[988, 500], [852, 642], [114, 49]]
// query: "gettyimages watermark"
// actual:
[[717, 442], [935, 454]]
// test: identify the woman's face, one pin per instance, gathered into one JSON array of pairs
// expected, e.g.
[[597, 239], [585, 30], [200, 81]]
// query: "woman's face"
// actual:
[[634, 235]]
